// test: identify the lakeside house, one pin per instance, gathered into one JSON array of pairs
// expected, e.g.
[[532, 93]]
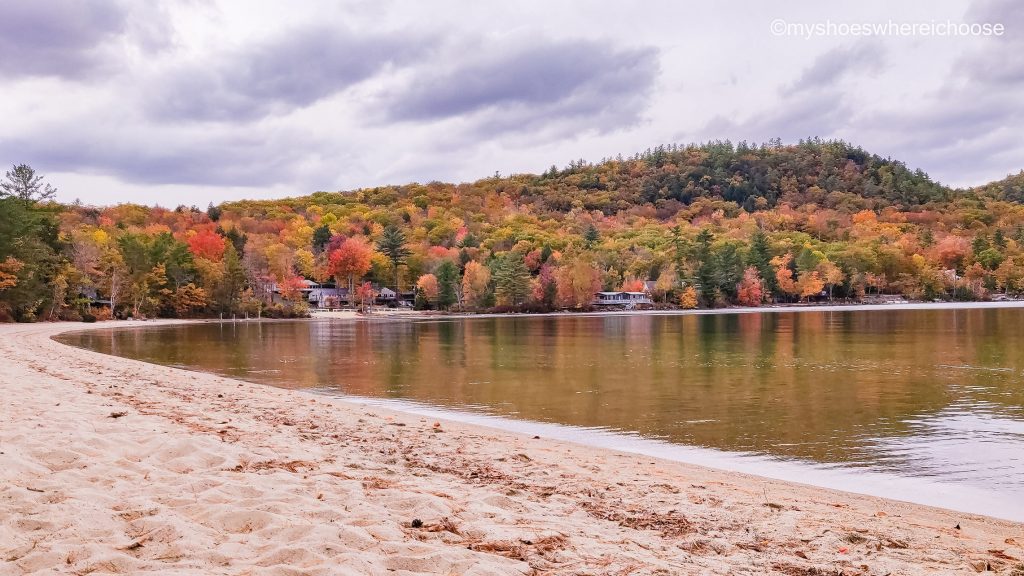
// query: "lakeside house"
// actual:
[[625, 299], [92, 298], [327, 296], [385, 295], [322, 297], [316, 294]]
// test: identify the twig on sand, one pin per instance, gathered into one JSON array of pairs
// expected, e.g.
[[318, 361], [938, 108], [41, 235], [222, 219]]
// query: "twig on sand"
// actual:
[[767, 503]]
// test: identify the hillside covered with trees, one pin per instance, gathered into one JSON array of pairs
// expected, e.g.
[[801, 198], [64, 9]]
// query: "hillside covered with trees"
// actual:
[[698, 226]]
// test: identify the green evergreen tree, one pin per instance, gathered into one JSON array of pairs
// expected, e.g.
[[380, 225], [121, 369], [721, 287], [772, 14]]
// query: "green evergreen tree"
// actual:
[[21, 181], [678, 248], [420, 302], [213, 212], [807, 260], [321, 236], [545, 253], [392, 244], [511, 279], [979, 244], [447, 279], [729, 269], [28, 234], [927, 238], [999, 239], [760, 258], [707, 269]]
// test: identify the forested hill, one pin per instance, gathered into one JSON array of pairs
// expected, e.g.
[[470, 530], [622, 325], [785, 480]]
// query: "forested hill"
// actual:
[[710, 225], [1010, 189], [830, 174]]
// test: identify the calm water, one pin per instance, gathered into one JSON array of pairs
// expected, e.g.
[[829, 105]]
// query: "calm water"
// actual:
[[934, 397]]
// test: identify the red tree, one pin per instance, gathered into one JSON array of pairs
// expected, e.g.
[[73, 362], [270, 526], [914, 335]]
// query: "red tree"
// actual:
[[750, 290], [291, 288], [634, 285], [350, 260], [364, 295], [206, 244]]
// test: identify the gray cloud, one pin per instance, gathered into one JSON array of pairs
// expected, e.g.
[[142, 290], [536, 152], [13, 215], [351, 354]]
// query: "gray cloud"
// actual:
[[290, 71], [820, 113], [837, 64], [296, 104], [812, 105], [520, 87], [968, 130], [57, 37], [251, 158], [1001, 62]]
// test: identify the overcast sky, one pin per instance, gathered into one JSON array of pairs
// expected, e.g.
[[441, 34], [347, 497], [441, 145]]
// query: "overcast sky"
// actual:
[[196, 101]]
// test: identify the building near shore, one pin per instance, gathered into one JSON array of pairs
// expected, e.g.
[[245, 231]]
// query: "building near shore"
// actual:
[[626, 299]]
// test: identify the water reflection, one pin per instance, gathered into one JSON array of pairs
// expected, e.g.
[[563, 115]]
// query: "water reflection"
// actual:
[[924, 393]]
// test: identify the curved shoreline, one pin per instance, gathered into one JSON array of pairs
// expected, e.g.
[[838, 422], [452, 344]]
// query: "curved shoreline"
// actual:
[[781, 308], [203, 474], [909, 489]]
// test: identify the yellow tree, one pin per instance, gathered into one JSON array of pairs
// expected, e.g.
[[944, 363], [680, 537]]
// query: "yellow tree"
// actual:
[[189, 299], [667, 280], [784, 275], [9, 269], [1008, 276], [810, 284], [688, 299], [576, 281], [427, 284], [830, 274], [475, 280]]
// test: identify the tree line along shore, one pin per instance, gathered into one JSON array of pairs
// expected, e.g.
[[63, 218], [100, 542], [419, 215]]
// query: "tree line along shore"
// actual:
[[698, 226]]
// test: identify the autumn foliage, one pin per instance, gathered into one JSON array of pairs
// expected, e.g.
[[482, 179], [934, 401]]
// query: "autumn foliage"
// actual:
[[206, 244], [717, 224], [427, 285], [349, 260], [9, 272], [750, 291]]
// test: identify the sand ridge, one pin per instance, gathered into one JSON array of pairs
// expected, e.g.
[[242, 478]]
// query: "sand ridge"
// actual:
[[109, 465]]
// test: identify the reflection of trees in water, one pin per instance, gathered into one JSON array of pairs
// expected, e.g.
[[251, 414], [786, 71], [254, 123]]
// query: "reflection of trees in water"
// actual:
[[812, 384]]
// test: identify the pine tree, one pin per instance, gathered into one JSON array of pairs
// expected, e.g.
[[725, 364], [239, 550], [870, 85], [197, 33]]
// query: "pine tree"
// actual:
[[213, 212], [23, 182], [707, 269], [447, 280], [321, 236], [511, 280], [729, 269], [392, 245], [760, 258]]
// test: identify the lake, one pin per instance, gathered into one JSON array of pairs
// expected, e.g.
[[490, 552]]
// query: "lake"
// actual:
[[923, 405]]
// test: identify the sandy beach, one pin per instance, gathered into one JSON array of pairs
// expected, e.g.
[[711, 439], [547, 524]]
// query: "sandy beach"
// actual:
[[109, 465]]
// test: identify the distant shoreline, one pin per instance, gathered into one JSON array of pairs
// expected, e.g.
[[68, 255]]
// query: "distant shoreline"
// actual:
[[386, 314]]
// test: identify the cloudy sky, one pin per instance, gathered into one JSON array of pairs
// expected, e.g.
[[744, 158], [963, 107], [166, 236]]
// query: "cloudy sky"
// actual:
[[194, 101]]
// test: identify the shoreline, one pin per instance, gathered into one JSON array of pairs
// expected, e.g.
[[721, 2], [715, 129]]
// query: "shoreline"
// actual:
[[781, 308], [236, 476], [906, 489]]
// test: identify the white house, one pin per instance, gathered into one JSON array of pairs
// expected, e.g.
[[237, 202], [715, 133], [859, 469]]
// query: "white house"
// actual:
[[626, 299], [327, 297], [387, 295]]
